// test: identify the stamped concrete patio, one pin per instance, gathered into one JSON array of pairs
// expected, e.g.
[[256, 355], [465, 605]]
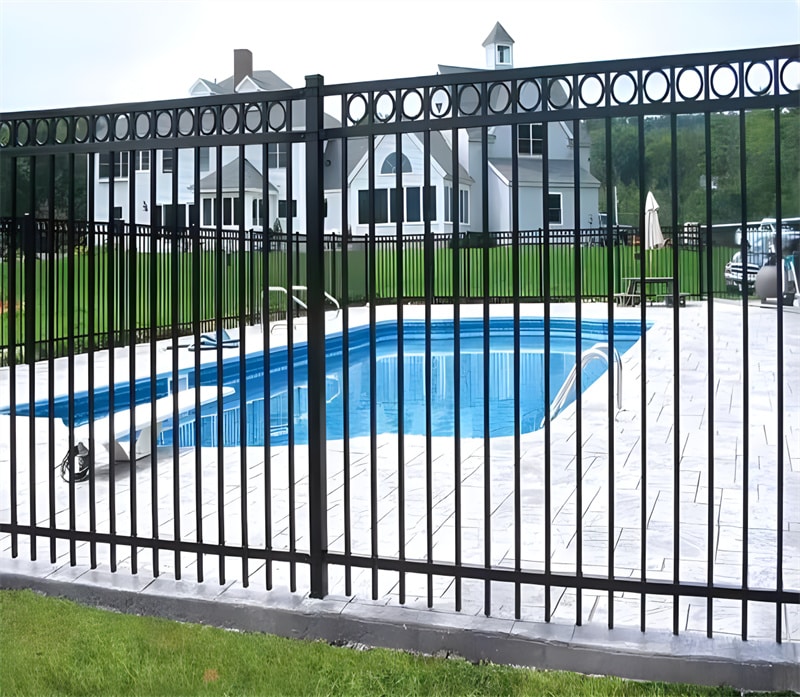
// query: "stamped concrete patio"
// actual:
[[243, 498]]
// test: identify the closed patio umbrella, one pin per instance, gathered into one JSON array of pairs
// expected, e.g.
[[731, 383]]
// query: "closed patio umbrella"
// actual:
[[653, 239]]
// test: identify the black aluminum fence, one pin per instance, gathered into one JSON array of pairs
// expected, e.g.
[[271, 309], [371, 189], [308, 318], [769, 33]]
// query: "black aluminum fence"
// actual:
[[37, 248], [380, 441]]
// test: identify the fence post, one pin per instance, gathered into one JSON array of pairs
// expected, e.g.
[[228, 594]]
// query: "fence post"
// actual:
[[315, 275]]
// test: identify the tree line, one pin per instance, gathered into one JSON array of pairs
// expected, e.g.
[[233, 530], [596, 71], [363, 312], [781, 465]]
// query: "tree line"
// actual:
[[33, 193], [733, 137]]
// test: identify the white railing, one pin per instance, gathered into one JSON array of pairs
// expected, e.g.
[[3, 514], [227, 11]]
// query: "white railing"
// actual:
[[295, 300], [597, 352]]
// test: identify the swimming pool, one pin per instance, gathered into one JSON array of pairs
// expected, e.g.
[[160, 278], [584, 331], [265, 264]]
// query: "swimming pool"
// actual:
[[442, 380]]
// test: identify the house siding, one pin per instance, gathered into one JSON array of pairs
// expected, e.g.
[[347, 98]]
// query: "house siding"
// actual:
[[499, 145], [412, 148]]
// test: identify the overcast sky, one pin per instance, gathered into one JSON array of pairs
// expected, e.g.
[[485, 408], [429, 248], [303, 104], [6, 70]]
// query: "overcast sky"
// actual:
[[65, 53]]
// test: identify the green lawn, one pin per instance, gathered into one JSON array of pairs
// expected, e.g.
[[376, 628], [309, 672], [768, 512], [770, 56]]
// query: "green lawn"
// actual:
[[50, 646], [110, 294]]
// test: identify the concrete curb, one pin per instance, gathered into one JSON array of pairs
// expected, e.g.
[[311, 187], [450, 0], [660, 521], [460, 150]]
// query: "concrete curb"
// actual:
[[592, 649]]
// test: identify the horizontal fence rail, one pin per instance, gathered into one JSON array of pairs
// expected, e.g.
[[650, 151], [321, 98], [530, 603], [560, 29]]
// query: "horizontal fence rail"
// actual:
[[266, 257], [311, 339]]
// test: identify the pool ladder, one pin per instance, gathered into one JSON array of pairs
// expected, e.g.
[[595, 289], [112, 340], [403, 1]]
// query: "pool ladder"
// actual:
[[597, 352], [295, 300]]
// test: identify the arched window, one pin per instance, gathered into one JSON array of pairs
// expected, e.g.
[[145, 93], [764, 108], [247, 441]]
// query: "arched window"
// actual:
[[390, 164]]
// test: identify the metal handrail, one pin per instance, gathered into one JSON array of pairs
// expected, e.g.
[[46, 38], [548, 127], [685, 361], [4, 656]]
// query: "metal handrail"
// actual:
[[295, 299], [598, 351], [325, 293]]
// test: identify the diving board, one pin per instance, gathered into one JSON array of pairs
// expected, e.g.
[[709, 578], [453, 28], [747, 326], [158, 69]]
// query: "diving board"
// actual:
[[122, 444]]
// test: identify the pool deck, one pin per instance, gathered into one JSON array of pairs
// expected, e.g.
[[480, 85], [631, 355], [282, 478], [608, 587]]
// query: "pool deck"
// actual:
[[630, 506]]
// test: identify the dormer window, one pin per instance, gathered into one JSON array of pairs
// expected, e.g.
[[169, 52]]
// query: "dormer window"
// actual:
[[503, 55]]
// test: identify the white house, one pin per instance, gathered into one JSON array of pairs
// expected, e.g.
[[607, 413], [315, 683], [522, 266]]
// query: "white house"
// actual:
[[410, 205], [252, 210], [499, 50], [442, 206]]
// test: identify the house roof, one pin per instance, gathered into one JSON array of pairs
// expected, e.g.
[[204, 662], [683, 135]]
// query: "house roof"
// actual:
[[530, 171], [212, 87], [253, 180], [441, 153], [449, 69], [264, 79], [498, 35], [470, 102]]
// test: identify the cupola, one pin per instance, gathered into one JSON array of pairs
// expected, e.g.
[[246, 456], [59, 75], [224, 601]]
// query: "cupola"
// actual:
[[499, 49]]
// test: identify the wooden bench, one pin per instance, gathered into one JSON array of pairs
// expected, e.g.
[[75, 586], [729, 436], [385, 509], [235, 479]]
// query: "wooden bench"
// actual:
[[147, 419]]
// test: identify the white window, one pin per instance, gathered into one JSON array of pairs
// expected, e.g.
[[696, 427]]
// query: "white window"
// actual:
[[413, 204], [282, 208], [120, 166], [387, 207], [258, 211], [167, 161], [405, 206], [142, 161], [380, 206], [231, 211], [463, 205], [389, 165], [208, 211], [554, 208], [277, 155], [503, 55], [205, 159], [530, 139]]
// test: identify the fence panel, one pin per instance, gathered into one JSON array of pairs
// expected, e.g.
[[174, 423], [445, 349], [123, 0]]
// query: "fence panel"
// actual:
[[493, 416]]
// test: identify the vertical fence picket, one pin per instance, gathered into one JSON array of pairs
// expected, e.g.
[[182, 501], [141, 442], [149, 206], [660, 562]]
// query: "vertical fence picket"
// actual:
[[87, 283], [52, 294], [781, 434]]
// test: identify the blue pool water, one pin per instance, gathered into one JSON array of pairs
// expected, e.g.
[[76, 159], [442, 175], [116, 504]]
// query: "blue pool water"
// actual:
[[442, 380]]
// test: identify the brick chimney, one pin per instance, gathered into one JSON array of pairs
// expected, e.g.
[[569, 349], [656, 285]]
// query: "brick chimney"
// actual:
[[242, 65]]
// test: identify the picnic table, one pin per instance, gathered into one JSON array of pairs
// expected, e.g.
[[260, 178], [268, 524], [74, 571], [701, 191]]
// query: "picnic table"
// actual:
[[655, 288]]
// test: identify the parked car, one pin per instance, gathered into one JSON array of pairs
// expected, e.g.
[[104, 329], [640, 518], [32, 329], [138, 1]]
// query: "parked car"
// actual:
[[767, 225], [761, 248]]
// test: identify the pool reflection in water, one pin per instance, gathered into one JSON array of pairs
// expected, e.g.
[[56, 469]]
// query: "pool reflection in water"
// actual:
[[442, 380]]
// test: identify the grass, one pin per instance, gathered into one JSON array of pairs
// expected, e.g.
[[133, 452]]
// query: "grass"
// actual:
[[50, 646], [120, 296]]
